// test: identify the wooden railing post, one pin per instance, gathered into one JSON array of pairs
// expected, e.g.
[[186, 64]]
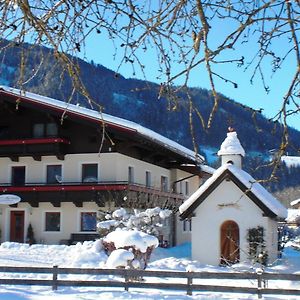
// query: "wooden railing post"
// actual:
[[189, 289], [126, 281], [259, 273], [54, 278]]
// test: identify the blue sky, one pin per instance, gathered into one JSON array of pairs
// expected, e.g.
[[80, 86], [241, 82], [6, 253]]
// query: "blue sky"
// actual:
[[100, 49]]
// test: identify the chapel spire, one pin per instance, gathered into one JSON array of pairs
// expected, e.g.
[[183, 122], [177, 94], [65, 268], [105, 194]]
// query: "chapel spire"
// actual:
[[231, 150]]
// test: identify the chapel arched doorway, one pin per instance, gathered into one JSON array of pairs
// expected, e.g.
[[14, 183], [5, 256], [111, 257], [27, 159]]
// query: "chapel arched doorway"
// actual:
[[230, 243]]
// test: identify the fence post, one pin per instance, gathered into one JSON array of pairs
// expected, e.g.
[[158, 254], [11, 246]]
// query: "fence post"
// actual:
[[126, 281], [54, 278], [189, 289], [259, 273]]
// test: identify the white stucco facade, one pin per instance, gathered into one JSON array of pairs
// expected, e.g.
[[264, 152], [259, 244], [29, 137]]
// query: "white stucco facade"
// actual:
[[228, 202], [226, 207], [112, 167]]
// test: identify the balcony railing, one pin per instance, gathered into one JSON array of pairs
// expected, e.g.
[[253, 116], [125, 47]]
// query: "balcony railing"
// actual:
[[33, 146], [70, 191]]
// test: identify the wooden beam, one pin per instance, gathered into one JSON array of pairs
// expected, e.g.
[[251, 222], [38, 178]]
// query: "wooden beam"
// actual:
[[34, 203], [14, 158], [56, 203], [78, 203]]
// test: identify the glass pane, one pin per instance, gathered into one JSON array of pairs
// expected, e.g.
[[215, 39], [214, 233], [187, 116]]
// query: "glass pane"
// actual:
[[130, 175], [148, 179], [164, 183], [18, 176], [90, 173], [51, 129], [88, 221], [38, 130], [54, 174], [52, 221]]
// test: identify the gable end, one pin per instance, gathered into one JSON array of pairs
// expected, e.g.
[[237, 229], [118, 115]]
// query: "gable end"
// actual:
[[227, 175], [190, 211]]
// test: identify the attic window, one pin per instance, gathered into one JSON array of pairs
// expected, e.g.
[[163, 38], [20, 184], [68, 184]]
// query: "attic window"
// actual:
[[230, 162], [41, 130]]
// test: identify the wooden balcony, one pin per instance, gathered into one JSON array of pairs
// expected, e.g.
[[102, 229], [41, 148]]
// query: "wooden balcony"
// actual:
[[35, 147], [121, 193]]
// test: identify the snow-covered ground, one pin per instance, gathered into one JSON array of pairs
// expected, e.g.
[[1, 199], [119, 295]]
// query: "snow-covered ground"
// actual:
[[91, 255]]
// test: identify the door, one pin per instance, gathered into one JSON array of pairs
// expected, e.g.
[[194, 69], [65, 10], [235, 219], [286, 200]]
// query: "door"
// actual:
[[17, 226], [230, 241]]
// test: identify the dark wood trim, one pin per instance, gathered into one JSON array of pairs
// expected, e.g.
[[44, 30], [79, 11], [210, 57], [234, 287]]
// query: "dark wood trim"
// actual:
[[78, 203], [67, 188], [34, 141], [34, 203], [227, 175], [14, 158], [65, 110], [56, 203]]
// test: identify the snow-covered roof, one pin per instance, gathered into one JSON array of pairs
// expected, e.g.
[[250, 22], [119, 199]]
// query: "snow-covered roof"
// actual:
[[250, 185], [109, 119], [291, 161], [293, 215], [231, 145], [295, 202]]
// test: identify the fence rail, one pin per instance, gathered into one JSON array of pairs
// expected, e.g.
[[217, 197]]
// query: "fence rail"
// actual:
[[130, 279]]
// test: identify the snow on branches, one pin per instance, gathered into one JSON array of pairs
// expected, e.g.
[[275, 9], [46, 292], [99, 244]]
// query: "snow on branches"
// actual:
[[148, 221], [130, 237]]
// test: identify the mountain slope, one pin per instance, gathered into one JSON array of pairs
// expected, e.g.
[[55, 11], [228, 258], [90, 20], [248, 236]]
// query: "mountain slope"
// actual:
[[138, 101]]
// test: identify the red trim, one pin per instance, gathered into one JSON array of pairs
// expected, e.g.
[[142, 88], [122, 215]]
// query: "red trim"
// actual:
[[57, 188], [72, 113], [34, 141]]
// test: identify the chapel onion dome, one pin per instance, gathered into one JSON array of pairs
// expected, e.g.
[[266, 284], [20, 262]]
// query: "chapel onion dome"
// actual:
[[231, 145]]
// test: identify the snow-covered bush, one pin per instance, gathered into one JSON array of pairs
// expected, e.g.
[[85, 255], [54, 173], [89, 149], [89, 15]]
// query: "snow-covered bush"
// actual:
[[138, 243], [119, 258], [148, 221]]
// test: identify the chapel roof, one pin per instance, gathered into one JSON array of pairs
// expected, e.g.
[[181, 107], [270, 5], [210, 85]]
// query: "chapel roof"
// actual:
[[253, 189]]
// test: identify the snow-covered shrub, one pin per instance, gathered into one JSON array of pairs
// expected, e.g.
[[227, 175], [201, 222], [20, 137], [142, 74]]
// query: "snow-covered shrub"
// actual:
[[148, 221], [119, 258], [140, 244]]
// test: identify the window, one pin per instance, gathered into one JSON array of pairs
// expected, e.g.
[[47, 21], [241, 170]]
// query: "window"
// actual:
[[130, 175], [53, 174], [52, 221], [180, 187], [187, 225], [89, 172], [18, 176], [45, 130], [148, 179], [51, 129], [88, 221], [187, 188], [38, 130], [164, 183]]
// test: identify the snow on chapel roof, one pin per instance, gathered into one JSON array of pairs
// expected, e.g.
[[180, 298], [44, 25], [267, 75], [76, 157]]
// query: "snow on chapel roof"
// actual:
[[231, 145], [95, 115], [250, 186]]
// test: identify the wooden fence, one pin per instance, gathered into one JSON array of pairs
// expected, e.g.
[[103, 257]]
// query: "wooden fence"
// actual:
[[185, 281]]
